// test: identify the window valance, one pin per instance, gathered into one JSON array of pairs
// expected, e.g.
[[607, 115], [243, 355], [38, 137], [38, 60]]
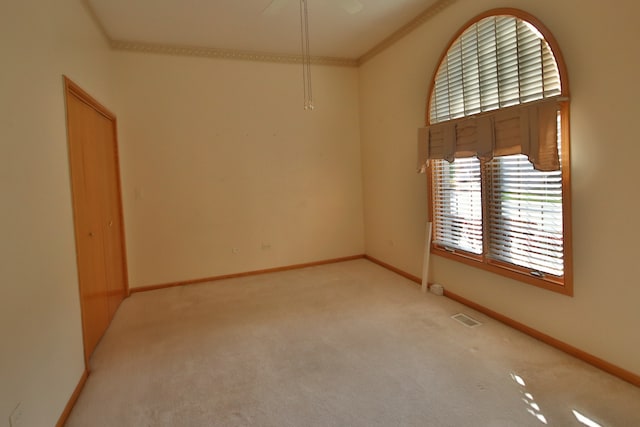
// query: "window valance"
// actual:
[[530, 129]]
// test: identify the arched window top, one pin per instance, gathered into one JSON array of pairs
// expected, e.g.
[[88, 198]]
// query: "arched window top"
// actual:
[[503, 58], [496, 149]]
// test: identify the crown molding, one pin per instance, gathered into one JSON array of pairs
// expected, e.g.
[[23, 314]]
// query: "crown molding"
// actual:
[[208, 52], [409, 27]]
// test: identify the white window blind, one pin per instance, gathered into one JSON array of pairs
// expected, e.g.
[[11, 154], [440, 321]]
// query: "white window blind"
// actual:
[[497, 62], [525, 215], [500, 209], [457, 205]]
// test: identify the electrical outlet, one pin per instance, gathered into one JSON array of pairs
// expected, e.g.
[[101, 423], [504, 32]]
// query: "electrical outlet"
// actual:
[[15, 419]]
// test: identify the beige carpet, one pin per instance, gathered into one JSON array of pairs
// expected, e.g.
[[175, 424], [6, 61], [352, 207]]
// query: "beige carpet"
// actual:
[[348, 344]]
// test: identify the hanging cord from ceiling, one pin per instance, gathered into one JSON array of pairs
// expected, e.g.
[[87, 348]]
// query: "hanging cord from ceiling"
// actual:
[[306, 55]]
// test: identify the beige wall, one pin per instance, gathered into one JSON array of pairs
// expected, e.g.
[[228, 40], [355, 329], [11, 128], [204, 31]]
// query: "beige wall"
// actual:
[[41, 359], [219, 155], [597, 42]]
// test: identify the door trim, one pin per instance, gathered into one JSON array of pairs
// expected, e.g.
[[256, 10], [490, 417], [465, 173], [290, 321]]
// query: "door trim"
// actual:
[[72, 89]]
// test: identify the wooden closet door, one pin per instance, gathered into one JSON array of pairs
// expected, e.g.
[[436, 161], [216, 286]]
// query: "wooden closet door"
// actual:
[[97, 212], [112, 219]]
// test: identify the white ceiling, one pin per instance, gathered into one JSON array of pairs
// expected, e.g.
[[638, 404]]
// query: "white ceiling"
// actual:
[[338, 28]]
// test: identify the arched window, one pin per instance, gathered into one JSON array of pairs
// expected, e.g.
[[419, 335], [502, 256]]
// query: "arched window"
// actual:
[[497, 150]]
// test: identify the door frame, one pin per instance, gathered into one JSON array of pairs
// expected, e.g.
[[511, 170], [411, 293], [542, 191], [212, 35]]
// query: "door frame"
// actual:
[[72, 89]]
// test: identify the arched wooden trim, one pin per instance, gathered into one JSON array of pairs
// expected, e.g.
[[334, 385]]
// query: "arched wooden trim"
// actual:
[[566, 287], [521, 14]]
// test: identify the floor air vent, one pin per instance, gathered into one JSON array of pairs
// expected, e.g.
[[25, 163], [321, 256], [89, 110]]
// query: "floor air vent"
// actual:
[[466, 320]]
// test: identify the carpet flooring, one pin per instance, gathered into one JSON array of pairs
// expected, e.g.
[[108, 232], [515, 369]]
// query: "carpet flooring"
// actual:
[[345, 344]]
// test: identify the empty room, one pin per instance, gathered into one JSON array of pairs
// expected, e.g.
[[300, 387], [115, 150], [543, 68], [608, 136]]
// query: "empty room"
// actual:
[[319, 213]]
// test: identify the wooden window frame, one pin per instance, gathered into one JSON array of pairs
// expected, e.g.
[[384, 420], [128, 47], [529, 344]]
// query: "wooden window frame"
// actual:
[[563, 285]]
